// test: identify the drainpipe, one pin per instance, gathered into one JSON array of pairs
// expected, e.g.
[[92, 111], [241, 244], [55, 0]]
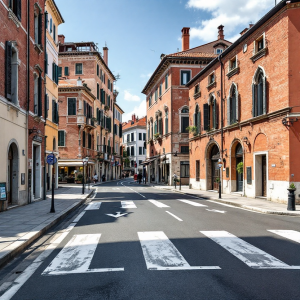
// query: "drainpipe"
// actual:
[[221, 154], [28, 97]]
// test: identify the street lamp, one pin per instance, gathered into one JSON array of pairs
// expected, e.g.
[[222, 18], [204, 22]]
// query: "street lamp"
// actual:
[[84, 160]]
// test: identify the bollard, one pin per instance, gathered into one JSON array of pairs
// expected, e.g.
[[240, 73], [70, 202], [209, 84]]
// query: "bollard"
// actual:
[[291, 200]]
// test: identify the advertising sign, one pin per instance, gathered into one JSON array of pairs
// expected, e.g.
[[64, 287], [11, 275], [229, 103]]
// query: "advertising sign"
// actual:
[[3, 196]]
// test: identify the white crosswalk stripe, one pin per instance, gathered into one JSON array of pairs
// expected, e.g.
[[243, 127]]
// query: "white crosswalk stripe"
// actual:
[[76, 257], [93, 206], [192, 202], [247, 253], [161, 254], [158, 204], [289, 234], [128, 204]]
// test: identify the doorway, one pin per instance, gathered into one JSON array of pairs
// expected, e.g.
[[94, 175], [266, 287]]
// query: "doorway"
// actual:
[[36, 171], [13, 175], [239, 176], [261, 175], [264, 176], [215, 171]]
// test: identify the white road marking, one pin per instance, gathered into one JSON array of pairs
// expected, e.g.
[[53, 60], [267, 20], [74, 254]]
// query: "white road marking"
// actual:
[[115, 188], [158, 204], [93, 206], [161, 254], [289, 234], [76, 257], [134, 190], [247, 253], [79, 217], [174, 216], [118, 215], [218, 211], [128, 204], [191, 202]]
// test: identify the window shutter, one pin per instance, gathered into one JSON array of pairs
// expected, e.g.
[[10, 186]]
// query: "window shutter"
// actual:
[[237, 117], [54, 33], [53, 111], [40, 29], [98, 91], [50, 25], [84, 108], [46, 63], [160, 126], [56, 66], [53, 72], [66, 71], [216, 114], [46, 104], [167, 125], [59, 71], [148, 132], [206, 116], [195, 119], [228, 110], [254, 89], [198, 122], [265, 83], [155, 127], [40, 96], [188, 76], [56, 113], [8, 57], [120, 130], [46, 20], [19, 11]]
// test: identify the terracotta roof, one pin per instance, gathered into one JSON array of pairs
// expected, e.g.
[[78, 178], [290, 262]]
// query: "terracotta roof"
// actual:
[[65, 83], [192, 54], [140, 122]]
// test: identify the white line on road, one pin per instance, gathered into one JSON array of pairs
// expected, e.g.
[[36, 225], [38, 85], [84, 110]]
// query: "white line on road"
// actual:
[[134, 190], [79, 217], [158, 204], [174, 216], [289, 234], [161, 254], [128, 204], [218, 211], [93, 206], [191, 202], [247, 253]]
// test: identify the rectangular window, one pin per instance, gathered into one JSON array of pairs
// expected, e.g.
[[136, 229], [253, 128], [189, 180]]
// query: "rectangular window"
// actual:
[[233, 63], [211, 78], [15, 6], [128, 138], [184, 169], [140, 161], [61, 138], [59, 71], [185, 77], [197, 170], [160, 90], [83, 138], [184, 124], [98, 70], [54, 33], [132, 136], [166, 81], [140, 150], [98, 90], [89, 141], [71, 106], [78, 69], [150, 100], [156, 95], [197, 89], [66, 71], [132, 150], [144, 136], [140, 136], [185, 149]]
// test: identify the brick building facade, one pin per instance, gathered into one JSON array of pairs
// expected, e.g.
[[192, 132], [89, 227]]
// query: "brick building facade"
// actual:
[[168, 108], [244, 110]]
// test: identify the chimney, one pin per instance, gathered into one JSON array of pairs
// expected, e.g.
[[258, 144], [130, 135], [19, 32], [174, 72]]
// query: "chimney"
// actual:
[[251, 25], [61, 38], [79, 81], [133, 118], [221, 32], [105, 55], [244, 31], [185, 38]]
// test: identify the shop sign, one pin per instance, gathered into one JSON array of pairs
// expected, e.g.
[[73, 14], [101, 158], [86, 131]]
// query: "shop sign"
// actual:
[[3, 191]]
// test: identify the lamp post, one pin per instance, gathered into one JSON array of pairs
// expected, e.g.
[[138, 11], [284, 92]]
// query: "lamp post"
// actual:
[[84, 160]]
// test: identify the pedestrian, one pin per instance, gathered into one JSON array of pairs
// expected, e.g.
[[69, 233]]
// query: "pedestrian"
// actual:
[[103, 177], [95, 178], [139, 177]]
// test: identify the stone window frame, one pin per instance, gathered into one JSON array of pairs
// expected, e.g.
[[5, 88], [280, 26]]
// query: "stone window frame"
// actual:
[[184, 71], [81, 69], [233, 86], [183, 115], [258, 53], [259, 71]]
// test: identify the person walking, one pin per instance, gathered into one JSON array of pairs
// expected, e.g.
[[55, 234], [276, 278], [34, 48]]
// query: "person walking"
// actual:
[[139, 177], [95, 178]]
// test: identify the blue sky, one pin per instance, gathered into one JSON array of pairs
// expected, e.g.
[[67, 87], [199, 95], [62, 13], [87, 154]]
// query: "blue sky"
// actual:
[[137, 32]]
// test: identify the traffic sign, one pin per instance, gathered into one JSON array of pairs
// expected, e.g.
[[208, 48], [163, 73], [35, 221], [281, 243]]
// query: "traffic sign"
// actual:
[[51, 159]]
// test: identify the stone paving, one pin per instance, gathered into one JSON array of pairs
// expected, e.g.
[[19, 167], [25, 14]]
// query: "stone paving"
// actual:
[[20, 226]]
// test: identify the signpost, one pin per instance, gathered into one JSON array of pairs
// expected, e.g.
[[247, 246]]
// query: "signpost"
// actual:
[[52, 160]]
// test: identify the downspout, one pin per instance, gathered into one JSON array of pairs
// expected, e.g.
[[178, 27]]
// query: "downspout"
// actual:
[[28, 97], [45, 125], [113, 130], [221, 154]]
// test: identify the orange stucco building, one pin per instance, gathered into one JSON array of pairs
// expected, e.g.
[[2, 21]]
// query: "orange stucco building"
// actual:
[[244, 111]]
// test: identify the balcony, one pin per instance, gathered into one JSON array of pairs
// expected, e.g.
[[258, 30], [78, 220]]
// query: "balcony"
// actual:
[[91, 123]]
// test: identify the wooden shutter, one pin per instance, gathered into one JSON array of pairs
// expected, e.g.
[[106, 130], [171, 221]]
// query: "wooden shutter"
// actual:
[[206, 116], [46, 104], [46, 20], [188, 76], [84, 108], [40, 30], [56, 66], [237, 117], [198, 122], [254, 89], [83, 139], [195, 119], [216, 106], [8, 57], [46, 63], [56, 113], [120, 130], [51, 25], [66, 71], [53, 111], [167, 125], [228, 111], [98, 91], [19, 10], [160, 126], [59, 71], [40, 111], [265, 84]]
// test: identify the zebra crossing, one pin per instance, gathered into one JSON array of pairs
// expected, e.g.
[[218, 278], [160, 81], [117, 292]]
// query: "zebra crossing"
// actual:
[[160, 253]]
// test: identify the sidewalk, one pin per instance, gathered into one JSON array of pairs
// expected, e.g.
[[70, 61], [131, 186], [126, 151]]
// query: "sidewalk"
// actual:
[[22, 225], [258, 205]]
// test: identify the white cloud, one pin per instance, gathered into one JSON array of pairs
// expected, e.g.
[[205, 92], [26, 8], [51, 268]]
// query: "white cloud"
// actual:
[[146, 75], [231, 14], [129, 97], [139, 111]]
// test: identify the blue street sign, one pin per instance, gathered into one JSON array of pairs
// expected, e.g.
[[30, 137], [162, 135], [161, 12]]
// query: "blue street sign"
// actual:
[[51, 159]]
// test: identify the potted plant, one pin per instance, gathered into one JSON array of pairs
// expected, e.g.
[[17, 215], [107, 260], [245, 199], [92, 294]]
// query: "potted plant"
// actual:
[[240, 167], [79, 178], [156, 135], [193, 130], [291, 197], [150, 141]]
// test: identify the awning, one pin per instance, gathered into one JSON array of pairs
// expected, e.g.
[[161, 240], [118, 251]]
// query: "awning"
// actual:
[[72, 163], [148, 161]]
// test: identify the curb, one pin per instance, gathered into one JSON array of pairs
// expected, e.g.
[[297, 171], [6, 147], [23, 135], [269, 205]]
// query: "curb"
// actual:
[[251, 208], [34, 235]]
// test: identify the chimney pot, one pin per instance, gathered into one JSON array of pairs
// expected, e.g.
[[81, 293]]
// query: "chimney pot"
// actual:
[[105, 55], [61, 38], [221, 35], [185, 38]]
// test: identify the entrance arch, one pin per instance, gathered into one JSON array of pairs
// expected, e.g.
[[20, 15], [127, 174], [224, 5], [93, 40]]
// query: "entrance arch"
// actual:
[[12, 174], [213, 172], [237, 179]]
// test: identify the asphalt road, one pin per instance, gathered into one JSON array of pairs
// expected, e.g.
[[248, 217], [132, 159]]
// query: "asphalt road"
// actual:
[[162, 249]]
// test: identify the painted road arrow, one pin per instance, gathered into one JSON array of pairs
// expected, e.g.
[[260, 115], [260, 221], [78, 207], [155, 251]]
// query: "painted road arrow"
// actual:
[[218, 211], [118, 215]]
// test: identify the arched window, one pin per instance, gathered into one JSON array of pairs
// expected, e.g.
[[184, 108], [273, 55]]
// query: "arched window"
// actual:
[[232, 105], [197, 122], [210, 114], [259, 94], [184, 120]]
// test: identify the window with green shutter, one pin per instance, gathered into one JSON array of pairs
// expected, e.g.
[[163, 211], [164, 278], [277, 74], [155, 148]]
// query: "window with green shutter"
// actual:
[[59, 71], [98, 70], [89, 141], [83, 138], [71, 106], [98, 90], [166, 81], [61, 138], [78, 69], [66, 71]]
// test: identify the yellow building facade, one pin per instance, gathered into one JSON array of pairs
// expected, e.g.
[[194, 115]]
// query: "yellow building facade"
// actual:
[[53, 72]]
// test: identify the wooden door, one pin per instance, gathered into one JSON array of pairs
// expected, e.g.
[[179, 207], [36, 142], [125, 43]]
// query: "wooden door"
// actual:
[[215, 175], [264, 176], [239, 176]]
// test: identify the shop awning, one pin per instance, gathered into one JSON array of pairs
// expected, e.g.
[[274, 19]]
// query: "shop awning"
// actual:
[[72, 163], [148, 161]]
